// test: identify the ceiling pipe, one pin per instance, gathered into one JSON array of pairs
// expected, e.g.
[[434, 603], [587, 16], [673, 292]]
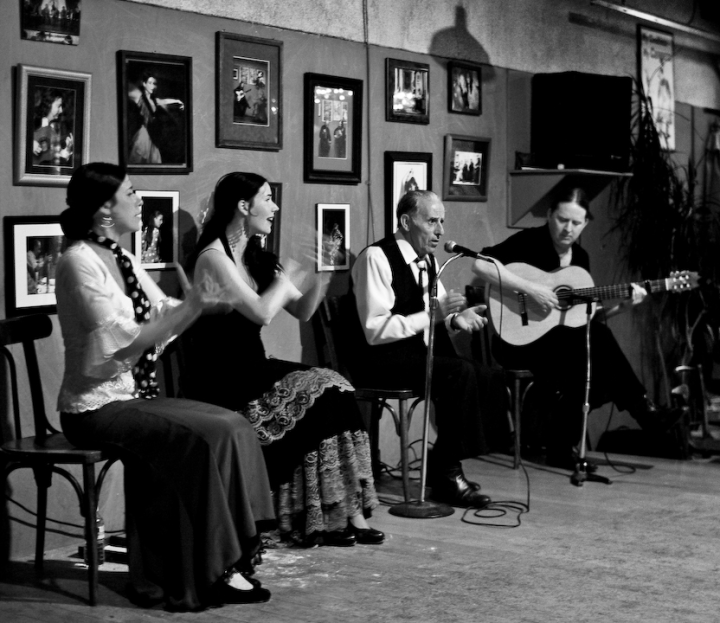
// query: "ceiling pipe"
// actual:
[[655, 19]]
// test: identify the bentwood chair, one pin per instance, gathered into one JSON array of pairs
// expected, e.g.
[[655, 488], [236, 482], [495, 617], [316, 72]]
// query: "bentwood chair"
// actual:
[[48, 449], [518, 382], [328, 341]]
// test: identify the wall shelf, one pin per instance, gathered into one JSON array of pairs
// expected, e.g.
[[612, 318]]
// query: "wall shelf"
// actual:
[[530, 191]]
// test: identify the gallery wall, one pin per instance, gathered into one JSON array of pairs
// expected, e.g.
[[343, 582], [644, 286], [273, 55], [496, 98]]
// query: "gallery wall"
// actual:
[[400, 30], [150, 29]]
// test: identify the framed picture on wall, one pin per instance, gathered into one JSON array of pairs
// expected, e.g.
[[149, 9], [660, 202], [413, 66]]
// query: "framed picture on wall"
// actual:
[[248, 84], [272, 240], [656, 74], [465, 172], [52, 120], [404, 171], [156, 244], [50, 22], [407, 91], [155, 113], [333, 236], [464, 88], [33, 246], [333, 129]]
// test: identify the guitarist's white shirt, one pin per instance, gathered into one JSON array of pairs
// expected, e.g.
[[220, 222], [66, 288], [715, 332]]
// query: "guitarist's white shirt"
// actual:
[[372, 279]]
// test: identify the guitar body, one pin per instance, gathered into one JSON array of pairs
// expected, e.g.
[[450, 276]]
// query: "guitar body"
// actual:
[[507, 311]]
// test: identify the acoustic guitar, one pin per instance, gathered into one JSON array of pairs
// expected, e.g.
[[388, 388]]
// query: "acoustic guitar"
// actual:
[[519, 320]]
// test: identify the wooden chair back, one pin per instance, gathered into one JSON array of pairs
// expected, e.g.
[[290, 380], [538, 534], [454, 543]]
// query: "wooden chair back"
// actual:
[[26, 330]]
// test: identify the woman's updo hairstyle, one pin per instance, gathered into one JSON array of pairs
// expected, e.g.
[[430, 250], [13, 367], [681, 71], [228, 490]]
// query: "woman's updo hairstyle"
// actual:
[[90, 187]]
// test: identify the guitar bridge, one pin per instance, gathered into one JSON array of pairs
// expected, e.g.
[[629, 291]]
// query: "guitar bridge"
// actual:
[[522, 302]]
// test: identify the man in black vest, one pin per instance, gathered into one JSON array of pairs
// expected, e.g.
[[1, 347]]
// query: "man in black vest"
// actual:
[[390, 286]]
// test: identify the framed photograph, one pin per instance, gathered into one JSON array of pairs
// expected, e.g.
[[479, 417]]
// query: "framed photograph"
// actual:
[[465, 174], [464, 88], [407, 91], [404, 171], [333, 236], [51, 22], [155, 113], [248, 84], [655, 66], [52, 124], [272, 240], [33, 246], [333, 129], [156, 244]]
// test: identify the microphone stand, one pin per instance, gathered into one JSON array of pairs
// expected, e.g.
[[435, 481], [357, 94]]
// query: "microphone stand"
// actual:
[[581, 474], [423, 509]]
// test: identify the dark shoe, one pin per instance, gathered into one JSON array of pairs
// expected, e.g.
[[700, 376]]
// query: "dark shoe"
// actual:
[[655, 419], [366, 536], [223, 593], [569, 462], [436, 474], [339, 538], [454, 489]]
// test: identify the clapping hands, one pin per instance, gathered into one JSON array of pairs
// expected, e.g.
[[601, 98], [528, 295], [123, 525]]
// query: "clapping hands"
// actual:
[[205, 294]]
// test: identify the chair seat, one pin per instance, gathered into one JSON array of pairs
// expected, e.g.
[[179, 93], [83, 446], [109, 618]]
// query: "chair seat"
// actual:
[[53, 448], [518, 374], [369, 393]]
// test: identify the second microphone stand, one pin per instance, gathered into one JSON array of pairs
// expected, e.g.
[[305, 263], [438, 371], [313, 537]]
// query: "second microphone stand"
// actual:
[[423, 509], [581, 473]]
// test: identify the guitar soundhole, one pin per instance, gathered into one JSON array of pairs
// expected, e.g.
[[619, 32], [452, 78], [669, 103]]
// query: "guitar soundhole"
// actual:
[[564, 297]]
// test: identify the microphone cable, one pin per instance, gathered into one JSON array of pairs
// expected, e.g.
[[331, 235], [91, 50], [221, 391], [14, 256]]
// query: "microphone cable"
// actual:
[[489, 515]]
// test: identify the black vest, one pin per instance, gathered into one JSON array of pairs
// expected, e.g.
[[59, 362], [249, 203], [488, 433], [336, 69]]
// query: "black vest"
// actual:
[[408, 300]]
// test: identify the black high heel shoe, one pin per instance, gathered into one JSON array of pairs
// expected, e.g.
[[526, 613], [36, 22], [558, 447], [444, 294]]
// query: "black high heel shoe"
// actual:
[[366, 536], [223, 593], [339, 538]]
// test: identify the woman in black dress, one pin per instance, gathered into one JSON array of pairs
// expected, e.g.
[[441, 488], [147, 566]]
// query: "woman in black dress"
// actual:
[[307, 420]]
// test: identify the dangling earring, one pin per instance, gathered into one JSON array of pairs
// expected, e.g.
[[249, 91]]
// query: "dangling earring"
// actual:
[[107, 222]]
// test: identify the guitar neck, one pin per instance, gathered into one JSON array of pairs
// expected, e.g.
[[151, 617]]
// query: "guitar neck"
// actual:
[[622, 291]]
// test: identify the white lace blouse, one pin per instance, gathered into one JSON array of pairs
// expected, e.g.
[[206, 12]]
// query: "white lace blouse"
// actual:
[[97, 321]]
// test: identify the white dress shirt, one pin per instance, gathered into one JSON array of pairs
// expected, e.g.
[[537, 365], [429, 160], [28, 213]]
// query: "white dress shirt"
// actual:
[[372, 285]]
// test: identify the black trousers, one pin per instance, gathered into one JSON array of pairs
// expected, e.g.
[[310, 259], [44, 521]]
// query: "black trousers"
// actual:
[[470, 401], [558, 362]]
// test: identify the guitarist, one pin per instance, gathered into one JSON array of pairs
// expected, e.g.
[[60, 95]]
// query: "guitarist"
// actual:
[[558, 358]]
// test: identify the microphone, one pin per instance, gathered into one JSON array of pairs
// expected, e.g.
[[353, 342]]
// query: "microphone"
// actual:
[[452, 247]]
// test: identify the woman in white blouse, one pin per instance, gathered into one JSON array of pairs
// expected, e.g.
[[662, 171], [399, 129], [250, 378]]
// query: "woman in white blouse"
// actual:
[[196, 487]]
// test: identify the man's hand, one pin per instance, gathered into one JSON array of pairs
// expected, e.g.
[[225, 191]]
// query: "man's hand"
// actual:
[[543, 296], [453, 302], [470, 320]]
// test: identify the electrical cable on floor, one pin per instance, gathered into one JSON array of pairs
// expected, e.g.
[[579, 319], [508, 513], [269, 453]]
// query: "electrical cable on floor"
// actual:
[[618, 467], [615, 466], [494, 510], [499, 508]]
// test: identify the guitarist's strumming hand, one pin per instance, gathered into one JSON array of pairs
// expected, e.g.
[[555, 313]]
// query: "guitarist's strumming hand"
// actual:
[[543, 295]]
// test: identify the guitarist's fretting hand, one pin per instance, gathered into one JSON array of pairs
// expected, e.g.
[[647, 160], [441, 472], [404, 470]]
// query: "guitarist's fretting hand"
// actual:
[[638, 296]]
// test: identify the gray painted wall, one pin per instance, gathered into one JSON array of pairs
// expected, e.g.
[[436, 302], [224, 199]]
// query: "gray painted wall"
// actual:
[[512, 39]]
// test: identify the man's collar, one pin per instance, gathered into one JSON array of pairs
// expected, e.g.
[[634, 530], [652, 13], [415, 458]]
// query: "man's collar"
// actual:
[[409, 254]]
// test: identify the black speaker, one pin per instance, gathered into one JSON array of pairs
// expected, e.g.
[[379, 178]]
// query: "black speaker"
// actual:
[[581, 121]]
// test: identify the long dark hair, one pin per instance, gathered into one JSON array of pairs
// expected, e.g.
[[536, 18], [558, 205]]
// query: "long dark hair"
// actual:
[[573, 195], [229, 191], [91, 185]]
